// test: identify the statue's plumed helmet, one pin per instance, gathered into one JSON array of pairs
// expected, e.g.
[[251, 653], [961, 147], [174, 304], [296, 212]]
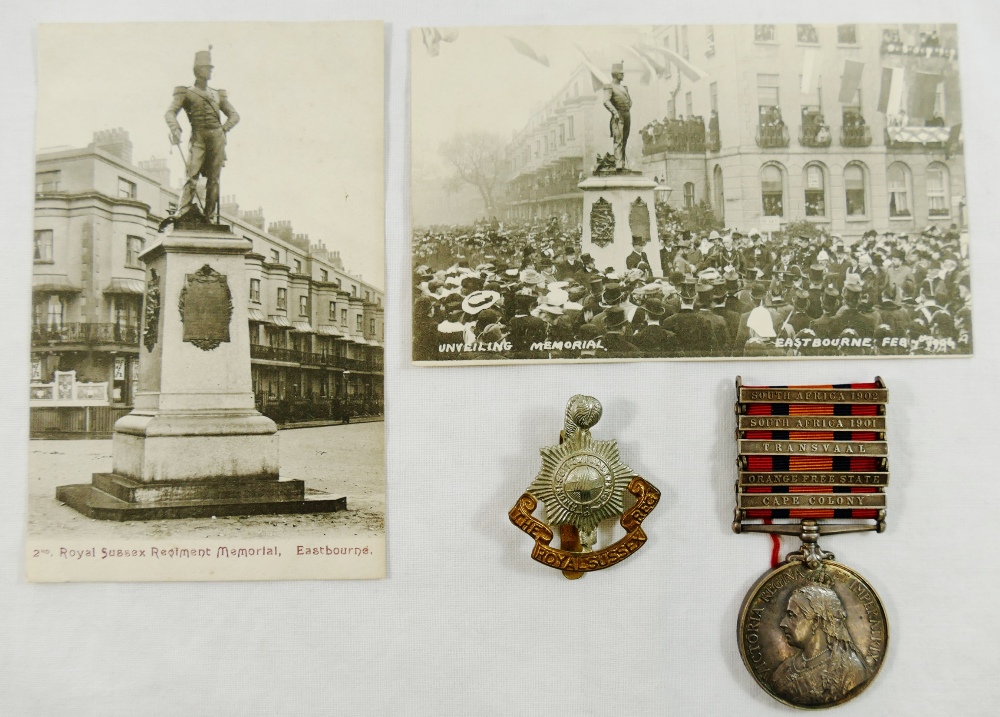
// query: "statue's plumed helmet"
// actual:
[[203, 58], [618, 67]]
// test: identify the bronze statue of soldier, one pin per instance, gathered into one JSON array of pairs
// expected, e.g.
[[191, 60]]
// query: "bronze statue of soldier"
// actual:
[[619, 104], [203, 105]]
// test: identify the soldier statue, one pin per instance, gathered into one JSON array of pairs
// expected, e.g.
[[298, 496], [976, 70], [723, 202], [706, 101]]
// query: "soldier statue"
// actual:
[[202, 104], [619, 104]]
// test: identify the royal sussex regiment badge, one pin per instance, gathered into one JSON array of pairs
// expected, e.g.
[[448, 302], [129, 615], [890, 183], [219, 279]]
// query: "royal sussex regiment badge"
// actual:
[[812, 461], [583, 483]]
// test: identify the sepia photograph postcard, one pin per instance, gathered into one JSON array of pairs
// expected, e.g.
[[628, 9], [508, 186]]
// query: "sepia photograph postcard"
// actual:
[[688, 192], [208, 297]]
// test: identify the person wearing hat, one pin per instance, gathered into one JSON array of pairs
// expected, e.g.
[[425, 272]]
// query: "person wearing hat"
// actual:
[[729, 316], [652, 339], [207, 151], [851, 316], [715, 326], [617, 332], [637, 256], [694, 332], [569, 268], [619, 103], [525, 329]]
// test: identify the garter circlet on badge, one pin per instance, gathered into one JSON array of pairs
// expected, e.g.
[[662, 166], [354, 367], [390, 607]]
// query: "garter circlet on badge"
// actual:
[[582, 483]]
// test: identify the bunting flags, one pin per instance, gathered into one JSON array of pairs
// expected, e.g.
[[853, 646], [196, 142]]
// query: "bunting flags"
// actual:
[[890, 97], [598, 79], [810, 69], [922, 94], [528, 51], [647, 69], [686, 68], [850, 81]]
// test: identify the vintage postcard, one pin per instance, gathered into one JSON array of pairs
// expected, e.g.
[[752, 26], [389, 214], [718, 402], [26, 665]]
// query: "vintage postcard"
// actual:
[[688, 191], [208, 303]]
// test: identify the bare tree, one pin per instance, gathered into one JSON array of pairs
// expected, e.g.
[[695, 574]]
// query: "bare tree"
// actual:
[[478, 159]]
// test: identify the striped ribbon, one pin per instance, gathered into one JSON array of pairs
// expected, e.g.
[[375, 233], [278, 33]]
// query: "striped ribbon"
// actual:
[[808, 463]]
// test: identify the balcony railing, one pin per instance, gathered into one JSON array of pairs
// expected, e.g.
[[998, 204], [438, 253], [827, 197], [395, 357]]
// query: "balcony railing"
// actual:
[[273, 353], [85, 333], [771, 136], [855, 136], [815, 137], [678, 136]]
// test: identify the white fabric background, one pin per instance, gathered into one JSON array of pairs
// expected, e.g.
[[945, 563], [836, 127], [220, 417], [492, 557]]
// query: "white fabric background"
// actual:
[[466, 623]]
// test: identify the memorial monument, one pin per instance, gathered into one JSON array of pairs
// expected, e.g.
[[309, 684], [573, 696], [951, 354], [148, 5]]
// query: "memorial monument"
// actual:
[[195, 445], [619, 207]]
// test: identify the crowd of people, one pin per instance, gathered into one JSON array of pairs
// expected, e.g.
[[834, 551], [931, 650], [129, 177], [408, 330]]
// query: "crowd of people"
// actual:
[[683, 134], [497, 291]]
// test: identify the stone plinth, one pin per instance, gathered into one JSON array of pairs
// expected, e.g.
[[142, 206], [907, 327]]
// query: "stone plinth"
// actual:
[[195, 444], [616, 207]]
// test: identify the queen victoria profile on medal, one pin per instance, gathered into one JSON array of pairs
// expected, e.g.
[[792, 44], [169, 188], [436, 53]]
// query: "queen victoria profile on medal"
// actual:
[[827, 665]]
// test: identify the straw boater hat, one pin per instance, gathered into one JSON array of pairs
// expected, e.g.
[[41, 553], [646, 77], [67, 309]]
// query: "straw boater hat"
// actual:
[[479, 300]]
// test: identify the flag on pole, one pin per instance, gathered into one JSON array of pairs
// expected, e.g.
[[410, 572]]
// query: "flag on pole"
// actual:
[[659, 69], [686, 68], [922, 94], [528, 51], [896, 92], [647, 69], [598, 79], [810, 66], [885, 90], [434, 36], [850, 81]]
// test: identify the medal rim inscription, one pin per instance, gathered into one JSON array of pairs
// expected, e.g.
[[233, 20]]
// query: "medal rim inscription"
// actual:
[[749, 600]]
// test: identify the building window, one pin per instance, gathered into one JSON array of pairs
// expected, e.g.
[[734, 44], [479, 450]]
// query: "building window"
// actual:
[[847, 34], [126, 189], [854, 190], [368, 297], [275, 256], [333, 311], [688, 195], [898, 179], [47, 181], [282, 299], [343, 316], [772, 190], [55, 313], [133, 247], [359, 319], [710, 40], [303, 306], [569, 127], [372, 330], [689, 104], [815, 192], [713, 96], [672, 108], [43, 246], [552, 137], [298, 266], [763, 33], [255, 290], [806, 34], [324, 275], [538, 148], [720, 194], [684, 42], [354, 290], [562, 134], [768, 106], [938, 201]]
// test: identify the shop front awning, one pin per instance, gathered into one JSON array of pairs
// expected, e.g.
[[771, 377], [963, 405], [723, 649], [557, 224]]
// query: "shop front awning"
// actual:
[[118, 285], [359, 340], [303, 327], [257, 315], [53, 284], [279, 320], [328, 331]]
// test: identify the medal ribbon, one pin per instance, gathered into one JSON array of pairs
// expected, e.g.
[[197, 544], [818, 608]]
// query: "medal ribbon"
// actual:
[[784, 463]]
